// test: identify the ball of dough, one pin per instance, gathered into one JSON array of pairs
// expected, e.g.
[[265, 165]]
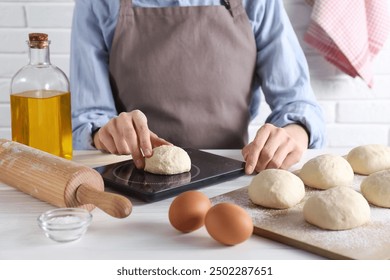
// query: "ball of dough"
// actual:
[[368, 159], [338, 208], [327, 171], [376, 188], [276, 188], [168, 160]]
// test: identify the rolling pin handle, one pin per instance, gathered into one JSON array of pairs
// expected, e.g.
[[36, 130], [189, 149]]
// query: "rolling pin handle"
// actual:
[[113, 204]]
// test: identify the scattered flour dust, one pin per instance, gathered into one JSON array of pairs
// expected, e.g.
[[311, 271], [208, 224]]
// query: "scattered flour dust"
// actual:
[[370, 241]]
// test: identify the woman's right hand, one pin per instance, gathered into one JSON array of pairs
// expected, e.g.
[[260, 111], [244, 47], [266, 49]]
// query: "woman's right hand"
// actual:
[[128, 134]]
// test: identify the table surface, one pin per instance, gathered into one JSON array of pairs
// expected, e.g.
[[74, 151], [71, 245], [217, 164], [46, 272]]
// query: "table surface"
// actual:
[[145, 234]]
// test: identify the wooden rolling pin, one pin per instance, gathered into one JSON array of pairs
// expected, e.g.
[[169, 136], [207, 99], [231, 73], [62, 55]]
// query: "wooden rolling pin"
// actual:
[[58, 181]]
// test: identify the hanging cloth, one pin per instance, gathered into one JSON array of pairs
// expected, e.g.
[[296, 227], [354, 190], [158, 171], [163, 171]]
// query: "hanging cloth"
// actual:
[[349, 33]]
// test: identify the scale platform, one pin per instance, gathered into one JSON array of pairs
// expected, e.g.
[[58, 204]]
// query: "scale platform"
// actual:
[[206, 169]]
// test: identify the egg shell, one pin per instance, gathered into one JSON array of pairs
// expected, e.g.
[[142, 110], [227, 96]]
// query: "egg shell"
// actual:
[[188, 210], [228, 223]]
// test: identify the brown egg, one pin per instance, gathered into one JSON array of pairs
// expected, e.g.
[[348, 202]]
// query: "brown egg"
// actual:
[[188, 210], [228, 223]]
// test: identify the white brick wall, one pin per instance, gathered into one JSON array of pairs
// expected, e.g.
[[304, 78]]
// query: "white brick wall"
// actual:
[[17, 19], [355, 115]]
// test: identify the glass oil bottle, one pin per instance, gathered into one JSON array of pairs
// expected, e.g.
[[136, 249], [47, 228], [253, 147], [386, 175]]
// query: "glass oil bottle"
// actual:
[[40, 102]]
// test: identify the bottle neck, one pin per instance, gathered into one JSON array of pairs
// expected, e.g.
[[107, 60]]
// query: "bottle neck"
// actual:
[[39, 55]]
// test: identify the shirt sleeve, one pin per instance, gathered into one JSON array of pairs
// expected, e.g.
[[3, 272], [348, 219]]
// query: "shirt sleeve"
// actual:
[[92, 101], [282, 71]]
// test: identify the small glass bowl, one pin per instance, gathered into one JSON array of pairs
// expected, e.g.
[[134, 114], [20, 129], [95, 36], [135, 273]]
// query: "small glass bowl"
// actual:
[[65, 224]]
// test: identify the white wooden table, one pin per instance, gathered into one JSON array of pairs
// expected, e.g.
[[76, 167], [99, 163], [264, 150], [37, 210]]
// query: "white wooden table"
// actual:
[[145, 234]]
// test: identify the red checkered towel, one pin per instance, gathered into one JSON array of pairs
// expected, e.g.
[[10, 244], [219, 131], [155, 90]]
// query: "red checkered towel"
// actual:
[[349, 33]]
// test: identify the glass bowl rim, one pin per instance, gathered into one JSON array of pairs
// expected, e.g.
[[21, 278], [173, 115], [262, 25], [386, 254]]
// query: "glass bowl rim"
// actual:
[[46, 221]]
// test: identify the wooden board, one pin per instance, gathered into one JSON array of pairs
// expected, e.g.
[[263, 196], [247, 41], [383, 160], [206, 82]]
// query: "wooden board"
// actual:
[[370, 241]]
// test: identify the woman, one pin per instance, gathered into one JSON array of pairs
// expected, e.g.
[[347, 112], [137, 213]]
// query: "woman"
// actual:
[[188, 72]]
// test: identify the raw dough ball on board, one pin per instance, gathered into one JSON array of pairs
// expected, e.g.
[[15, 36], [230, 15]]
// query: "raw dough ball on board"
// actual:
[[168, 160], [327, 171], [276, 188], [338, 208], [376, 188], [368, 159]]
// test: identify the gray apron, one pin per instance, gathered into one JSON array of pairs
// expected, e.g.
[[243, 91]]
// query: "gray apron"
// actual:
[[188, 69]]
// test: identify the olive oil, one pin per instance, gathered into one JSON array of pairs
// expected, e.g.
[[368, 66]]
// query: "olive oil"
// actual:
[[40, 102], [40, 119]]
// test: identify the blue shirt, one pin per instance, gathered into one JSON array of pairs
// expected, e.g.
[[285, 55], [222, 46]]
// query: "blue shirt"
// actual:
[[281, 68]]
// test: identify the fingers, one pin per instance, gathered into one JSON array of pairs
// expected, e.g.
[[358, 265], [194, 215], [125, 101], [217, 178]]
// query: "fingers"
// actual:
[[157, 141], [284, 157], [275, 150], [138, 139], [116, 135], [272, 147], [251, 152], [104, 141], [128, 134]]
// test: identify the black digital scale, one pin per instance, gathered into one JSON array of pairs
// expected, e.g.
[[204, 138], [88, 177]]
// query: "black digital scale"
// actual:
[[206, 169]]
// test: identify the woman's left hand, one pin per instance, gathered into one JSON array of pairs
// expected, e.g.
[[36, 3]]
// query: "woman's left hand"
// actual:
[[275, 147]]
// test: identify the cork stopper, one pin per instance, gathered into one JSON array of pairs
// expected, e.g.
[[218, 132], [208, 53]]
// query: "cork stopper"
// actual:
[[38, 40]]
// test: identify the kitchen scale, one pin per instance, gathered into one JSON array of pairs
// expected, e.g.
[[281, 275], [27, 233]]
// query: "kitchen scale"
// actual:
[[206, 169]]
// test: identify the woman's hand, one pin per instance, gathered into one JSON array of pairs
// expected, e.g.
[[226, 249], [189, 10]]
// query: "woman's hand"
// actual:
[[128, 134], [275, 147]]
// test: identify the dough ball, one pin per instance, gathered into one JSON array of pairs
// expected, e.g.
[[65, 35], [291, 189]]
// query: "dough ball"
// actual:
[[276, 188], [327, 171], [168, 160], [338, 208], [368, 159], [376, 188]]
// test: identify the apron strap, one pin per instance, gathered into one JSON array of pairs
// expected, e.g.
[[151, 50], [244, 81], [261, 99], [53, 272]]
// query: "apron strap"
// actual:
[[235, 7], [126, 7]]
